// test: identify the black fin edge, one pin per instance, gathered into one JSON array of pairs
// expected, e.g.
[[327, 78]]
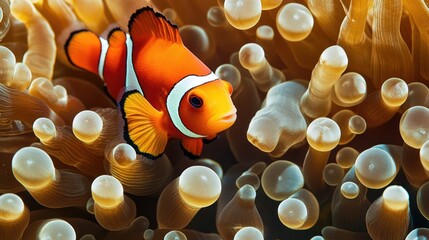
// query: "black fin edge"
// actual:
[[188, 154], [126, 135], [112, 31]]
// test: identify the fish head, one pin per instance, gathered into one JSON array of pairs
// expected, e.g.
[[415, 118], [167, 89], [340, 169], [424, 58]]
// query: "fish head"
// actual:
[[208, 109]]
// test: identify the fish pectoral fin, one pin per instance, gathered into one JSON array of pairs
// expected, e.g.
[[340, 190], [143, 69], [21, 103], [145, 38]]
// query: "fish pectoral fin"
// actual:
[[142, 128], [210, 139], [192, 147]]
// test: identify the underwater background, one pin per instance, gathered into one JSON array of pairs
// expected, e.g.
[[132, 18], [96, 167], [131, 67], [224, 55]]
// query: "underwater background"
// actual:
[[330, 140]]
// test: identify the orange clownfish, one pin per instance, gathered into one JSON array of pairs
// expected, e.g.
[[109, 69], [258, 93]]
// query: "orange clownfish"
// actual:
[[163, 90]]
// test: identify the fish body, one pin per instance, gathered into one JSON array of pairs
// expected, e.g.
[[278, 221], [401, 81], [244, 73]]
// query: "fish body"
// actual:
[[162, 89]]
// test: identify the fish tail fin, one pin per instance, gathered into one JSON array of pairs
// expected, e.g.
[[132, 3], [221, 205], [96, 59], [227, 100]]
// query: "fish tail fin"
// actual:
[[83, 50]]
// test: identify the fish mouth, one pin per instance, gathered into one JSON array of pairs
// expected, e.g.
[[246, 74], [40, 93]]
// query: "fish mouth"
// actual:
[[229, 118], [223, 121]]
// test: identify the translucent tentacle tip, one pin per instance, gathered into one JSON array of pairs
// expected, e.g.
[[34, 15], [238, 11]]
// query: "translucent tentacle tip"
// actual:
[[33, 167], [199, 186], [249, 233], [107, 191], [87, 126], [11, 207], [57, 229]]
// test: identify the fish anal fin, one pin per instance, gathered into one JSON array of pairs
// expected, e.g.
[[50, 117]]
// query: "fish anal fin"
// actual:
[[116, 38], [192, 147], [142, 128], [83, 49], [146, 24]]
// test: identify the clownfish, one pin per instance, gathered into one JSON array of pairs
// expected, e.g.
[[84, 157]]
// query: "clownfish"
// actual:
[[162, 89]]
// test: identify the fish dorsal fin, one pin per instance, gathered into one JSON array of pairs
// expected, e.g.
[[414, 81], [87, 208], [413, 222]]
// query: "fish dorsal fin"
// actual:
[[116, 38], [142, 128], [146, 24], [115, 66]]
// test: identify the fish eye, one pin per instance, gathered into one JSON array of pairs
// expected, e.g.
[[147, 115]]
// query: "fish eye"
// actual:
[[196, 101]]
